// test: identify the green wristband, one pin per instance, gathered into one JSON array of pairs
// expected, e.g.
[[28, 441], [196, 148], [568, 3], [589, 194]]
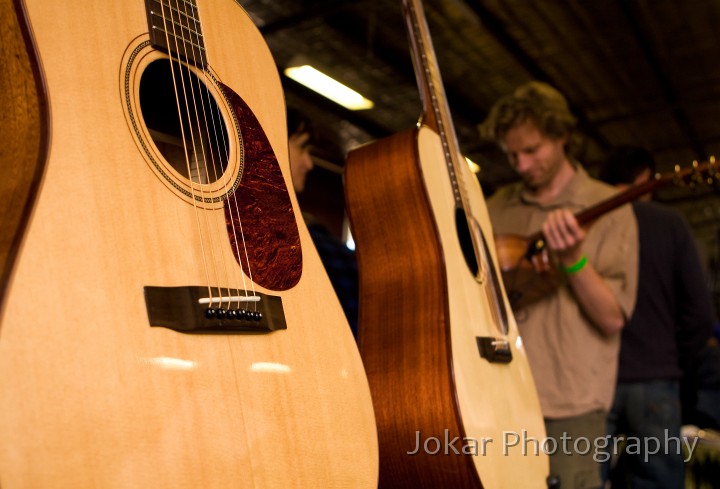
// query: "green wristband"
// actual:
[[577, 266]]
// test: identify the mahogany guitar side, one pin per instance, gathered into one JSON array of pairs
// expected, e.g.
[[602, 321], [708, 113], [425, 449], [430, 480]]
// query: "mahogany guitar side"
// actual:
[[92, 394], [23, 151], [403, 333]]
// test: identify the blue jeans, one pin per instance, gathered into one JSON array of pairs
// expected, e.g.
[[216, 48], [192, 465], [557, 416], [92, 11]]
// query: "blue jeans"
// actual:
[[647, 410]]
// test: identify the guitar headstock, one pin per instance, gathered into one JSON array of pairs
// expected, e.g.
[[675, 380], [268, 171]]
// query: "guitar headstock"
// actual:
[[699, 175]]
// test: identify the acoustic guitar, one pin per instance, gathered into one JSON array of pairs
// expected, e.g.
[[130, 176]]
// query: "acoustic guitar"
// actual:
[[455, 400], [160, 321], [527, 269]]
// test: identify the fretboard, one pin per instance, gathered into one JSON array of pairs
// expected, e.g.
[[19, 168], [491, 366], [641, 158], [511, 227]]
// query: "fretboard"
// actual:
[[436, 111], [174, 27]]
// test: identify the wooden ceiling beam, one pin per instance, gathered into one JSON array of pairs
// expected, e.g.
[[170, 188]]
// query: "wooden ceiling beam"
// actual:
[[669, 92], [317, 10], [497, 29]]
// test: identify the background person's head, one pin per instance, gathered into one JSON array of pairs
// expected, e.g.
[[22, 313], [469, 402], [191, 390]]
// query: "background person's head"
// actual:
[[300, 139]]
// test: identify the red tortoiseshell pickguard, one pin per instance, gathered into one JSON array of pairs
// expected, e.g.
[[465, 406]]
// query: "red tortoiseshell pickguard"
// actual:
[[261, 204]]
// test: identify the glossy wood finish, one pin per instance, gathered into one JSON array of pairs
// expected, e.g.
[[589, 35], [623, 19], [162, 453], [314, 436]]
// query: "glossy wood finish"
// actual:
[[90, 394], [528, 277], [404, 330]]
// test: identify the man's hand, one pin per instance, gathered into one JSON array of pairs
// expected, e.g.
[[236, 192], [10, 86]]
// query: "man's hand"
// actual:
[[564, 236]]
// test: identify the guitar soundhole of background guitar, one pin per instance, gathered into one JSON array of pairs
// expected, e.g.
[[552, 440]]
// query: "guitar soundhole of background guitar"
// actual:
[[186, 128]]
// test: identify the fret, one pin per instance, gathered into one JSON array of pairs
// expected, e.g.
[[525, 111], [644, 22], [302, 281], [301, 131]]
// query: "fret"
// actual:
[[186, 40], [191, 4], [180, 13], [163, 20]]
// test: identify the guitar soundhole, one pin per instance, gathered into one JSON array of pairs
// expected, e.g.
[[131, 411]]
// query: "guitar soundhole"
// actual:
[[466, 243], [184, 121]]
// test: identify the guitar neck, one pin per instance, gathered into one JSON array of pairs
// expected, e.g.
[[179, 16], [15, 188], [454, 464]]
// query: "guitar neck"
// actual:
[[436, 111], [592, 213], [436, 116], [695, 174], [174, 27]]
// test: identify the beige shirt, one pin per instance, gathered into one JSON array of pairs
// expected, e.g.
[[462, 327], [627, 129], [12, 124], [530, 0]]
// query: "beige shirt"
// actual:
[[574, 364]]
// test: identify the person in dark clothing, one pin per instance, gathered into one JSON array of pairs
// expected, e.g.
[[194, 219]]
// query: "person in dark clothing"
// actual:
[[339, 260], [671, 323], [341, 266]]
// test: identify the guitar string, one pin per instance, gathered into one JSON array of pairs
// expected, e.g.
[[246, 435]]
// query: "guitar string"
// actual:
[[185, 147], [451, 151], [204, 156], [222, 142], [222, 225], [233, 204], [195, 140]]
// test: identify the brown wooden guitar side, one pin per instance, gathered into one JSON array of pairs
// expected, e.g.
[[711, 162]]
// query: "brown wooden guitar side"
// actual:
[[404, 329], [22, 124]]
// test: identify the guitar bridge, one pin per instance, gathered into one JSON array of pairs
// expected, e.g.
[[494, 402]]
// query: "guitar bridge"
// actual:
[[190, 310], [494, 350]]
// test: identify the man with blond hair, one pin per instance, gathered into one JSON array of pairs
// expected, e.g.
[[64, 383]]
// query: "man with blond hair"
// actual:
[[572, 336]]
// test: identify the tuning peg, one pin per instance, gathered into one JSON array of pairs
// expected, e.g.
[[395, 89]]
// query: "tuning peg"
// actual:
[[698, 175], [696, 178], [686, 178], [678, 178], [713, 171]]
